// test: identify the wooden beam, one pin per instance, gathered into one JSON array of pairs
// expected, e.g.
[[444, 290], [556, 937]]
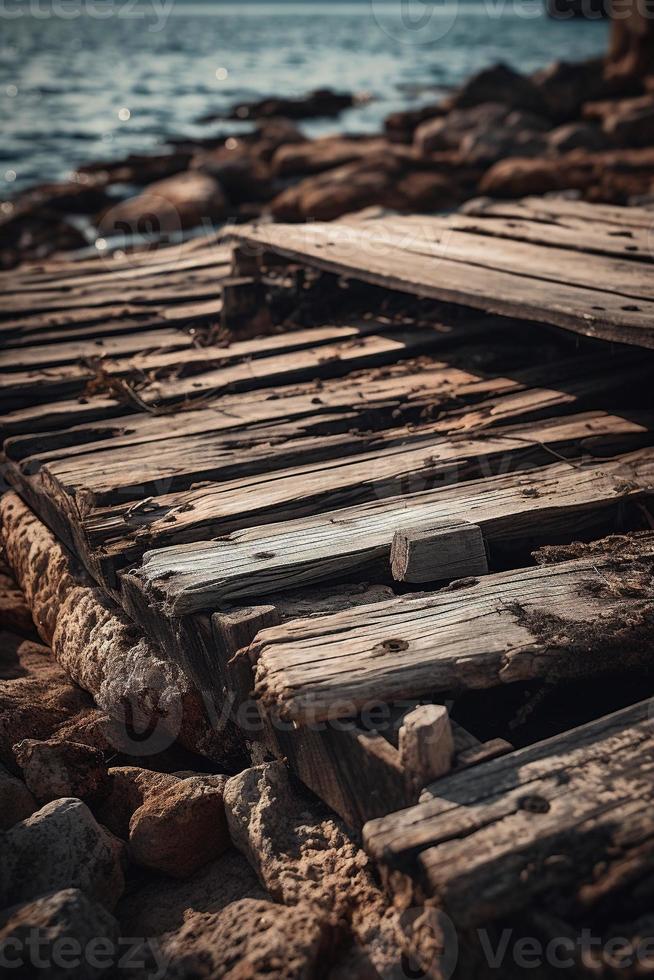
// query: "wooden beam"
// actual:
[[580, 618], [451, 549], [568, 820]]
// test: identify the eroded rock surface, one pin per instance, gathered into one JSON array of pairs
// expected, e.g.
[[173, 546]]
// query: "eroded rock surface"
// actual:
[[101, 649], [64, 922], [60, 846], [253, 939], [55, 768], [305, 857]]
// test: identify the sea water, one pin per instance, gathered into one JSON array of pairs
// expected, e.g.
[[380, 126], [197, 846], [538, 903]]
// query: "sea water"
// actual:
[[83, 80]]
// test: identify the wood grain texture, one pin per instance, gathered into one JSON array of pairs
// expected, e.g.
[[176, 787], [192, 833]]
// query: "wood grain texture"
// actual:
[[264, 559], [595, 294], [454, 549], [570, 817], [575, 619]]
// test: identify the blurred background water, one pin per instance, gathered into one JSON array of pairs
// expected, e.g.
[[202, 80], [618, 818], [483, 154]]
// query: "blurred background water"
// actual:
[[84, 80]]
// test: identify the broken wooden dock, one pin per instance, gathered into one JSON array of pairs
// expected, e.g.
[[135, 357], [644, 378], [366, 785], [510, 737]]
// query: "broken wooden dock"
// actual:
[[312, 464]]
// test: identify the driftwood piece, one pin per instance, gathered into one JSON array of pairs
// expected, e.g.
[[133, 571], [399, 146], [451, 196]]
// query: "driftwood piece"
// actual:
[[568, 819], [451, 549]]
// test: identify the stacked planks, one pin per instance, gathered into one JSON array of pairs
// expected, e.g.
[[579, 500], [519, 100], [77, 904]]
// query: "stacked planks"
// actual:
[[222, 487]]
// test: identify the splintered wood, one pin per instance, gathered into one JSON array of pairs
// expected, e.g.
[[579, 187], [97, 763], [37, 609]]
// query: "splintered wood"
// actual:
[[267, 490]]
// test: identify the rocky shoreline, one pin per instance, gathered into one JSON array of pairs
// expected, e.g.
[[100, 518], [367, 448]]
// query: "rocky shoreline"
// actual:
[[164, 863], [571, 127]]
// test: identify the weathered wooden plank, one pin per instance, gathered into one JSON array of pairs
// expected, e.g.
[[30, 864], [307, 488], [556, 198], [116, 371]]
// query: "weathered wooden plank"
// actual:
[[136, 285], [578, 618], [454, 549], [261, 560], [237, 366], [222, 445], [475, 244], [51, 355], [124, 318], [66, 272], [145, 292], [120, 534], [425, 744], [554, 208], [121, 345], [568, 819], [362, 251]]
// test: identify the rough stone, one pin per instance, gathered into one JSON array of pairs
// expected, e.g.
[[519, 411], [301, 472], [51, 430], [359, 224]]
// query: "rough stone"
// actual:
[[65, 922], [322, 102], [631, 127], [242, 175], [39, 564], [131, 786], [577, 136], [567, 85], [16, 801], [315, 156], [102, 650], [186, 200], [182, 828], [38, 700], [253, 939], [305, 857], [499, 83], [492, 145], [519, 176], [137, 168], [446, 132], [400, 126], [60, 846], [15, 614], [57, 767]]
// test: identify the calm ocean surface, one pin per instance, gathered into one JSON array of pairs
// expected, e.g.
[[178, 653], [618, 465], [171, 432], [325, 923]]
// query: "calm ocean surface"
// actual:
[[93, 79]]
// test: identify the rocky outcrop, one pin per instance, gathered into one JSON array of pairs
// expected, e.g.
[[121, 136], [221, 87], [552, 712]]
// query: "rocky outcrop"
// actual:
[[500, 83], [60, 846], [631, 124], [253, 939], [137, 168], [304, 857], [577, 136], [101, 649], [76, 937], [322, 102], [326, 153], [387, 180], [518, 177], [187, 200], [242, 175], [614, 175]]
